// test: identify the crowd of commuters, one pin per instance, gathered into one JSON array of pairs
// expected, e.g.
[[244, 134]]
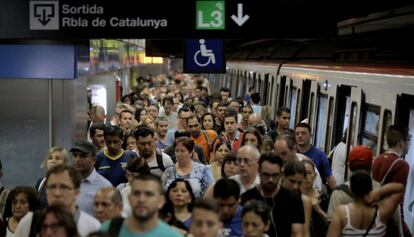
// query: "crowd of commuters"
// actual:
[[179, 160]]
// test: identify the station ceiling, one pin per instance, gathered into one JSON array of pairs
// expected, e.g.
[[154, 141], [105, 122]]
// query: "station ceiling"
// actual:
[[380, 33]]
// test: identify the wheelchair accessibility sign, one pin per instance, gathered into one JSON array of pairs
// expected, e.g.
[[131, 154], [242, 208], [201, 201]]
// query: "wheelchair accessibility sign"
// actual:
[[204, 56]]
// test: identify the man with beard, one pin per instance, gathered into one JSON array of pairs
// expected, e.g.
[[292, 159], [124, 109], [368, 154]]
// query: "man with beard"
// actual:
[[227, 193], [146, 199], [203, 138], [287, 215], [84, 158], [161, 123], [157, 160]]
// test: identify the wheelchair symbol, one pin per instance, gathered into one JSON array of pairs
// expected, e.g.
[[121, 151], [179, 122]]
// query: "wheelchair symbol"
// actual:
[[204, 56]]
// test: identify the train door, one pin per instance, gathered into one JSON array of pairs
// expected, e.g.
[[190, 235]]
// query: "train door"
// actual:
[[356, 100], [282, 92], [320, 129], [342, 110], [314, 90], [405, 118], [292, 105], [304, 106], [260, 90], [273, 91], [266, 87]]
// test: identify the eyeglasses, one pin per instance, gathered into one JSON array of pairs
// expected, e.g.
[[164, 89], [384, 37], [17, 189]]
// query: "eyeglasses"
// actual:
[[53, 226], [269, 176], [62, 187], [247, 161], [184, 118]]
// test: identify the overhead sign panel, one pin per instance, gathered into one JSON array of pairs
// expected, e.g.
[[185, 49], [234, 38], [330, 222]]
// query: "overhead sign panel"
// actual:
[[196, 19], [38, 61], [204, 56]]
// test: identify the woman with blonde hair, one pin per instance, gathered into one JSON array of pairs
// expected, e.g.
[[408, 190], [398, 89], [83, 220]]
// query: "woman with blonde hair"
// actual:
[[55, 156], [148, 121]]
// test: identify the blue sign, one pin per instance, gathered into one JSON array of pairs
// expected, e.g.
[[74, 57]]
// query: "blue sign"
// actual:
[[204, 56], [38, 61]]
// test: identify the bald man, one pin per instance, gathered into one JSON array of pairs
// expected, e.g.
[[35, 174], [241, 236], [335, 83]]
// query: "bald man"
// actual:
[[247, 161], [255, 120], [108, 204]]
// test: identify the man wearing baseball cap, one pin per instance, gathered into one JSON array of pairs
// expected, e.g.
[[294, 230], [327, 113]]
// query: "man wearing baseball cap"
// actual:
[[84, 158], [359, 158]]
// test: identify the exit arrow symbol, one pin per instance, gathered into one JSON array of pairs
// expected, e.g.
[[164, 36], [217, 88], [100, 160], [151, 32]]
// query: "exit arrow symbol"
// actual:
[[240, 19]]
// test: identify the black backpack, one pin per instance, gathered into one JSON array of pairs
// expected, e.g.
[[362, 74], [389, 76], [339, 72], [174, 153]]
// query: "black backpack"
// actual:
[[160, 162], [115, 226]]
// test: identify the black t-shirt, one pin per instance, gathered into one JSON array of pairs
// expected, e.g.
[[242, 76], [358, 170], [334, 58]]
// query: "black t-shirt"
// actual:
[[287, 209]]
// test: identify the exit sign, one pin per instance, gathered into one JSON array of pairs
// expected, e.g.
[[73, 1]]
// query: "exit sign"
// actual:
[[210, 15]]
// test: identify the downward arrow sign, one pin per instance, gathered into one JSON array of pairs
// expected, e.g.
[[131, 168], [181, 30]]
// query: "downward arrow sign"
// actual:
[[240, 19]]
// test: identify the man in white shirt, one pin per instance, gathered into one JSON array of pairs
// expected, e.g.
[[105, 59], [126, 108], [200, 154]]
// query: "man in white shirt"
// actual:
[[247, 160]]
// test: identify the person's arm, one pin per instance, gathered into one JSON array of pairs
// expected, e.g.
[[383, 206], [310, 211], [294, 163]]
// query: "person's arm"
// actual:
[[390, 189], [331, 182], [334, 202], [335, 228], [307, 207], [391, 194], [297, 230], [209, 192]]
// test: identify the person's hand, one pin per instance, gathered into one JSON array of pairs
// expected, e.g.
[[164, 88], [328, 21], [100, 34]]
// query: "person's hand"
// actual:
[[372, 198]]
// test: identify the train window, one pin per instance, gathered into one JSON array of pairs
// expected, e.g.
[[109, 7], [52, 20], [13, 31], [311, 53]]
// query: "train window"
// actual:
[[386, 122], [293, 102], [320, 134], [330, 125], [369, 135], [310, 116]]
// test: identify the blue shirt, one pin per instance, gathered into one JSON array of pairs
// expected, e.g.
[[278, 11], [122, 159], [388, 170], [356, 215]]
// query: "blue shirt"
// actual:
[[234, 227], [161, 230], [113, 167], [88, 189], [321, 161]]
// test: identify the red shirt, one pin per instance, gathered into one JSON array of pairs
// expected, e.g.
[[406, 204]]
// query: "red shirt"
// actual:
[[398, 173]]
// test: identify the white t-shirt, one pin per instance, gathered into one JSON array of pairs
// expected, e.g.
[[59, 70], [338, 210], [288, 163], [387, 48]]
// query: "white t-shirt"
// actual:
[[153, 165], [338, 163]]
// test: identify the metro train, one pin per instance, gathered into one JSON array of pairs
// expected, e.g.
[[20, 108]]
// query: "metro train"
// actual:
[[361, 99]]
